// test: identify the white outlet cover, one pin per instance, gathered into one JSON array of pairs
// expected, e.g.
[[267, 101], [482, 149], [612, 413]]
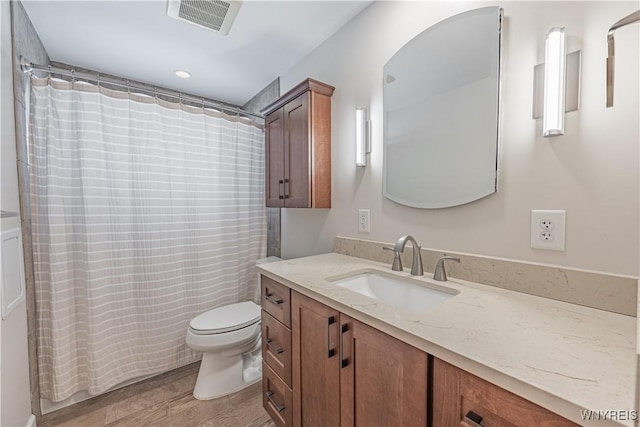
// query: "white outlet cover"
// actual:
[[538, 230], [364, 216]]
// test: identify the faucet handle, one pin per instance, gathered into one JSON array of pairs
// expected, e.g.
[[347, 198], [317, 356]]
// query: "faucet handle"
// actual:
[[397, 262], [441, 274]]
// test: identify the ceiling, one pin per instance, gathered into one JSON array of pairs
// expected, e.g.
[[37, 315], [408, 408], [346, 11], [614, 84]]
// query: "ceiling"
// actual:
[[139, 41]]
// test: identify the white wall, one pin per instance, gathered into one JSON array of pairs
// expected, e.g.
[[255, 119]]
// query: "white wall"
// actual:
[[14, 380], [591, 172]]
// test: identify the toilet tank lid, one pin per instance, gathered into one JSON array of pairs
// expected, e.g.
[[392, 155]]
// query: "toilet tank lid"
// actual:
[[227, 318]]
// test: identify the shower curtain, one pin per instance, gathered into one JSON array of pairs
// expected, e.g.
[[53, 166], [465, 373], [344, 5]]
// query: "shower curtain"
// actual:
[[144, 214]]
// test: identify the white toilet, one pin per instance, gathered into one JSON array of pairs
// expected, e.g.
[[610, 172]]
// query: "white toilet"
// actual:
[[229, 337]]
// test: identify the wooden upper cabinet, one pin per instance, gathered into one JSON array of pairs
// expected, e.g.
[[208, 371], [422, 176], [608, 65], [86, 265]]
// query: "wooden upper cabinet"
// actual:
[[298, 147]]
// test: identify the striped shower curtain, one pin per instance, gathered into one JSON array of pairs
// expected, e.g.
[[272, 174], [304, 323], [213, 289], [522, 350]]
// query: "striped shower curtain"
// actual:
[[144, 214]]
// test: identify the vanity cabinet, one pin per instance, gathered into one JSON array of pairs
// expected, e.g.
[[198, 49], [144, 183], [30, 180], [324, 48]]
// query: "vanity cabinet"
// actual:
[[349, 374], [462, 399], [324, 368], [277, 396], [298, 147]]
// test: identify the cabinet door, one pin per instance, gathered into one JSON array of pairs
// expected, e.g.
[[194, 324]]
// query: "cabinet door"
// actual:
[[274, 152], [297, 159], [315, 364], [383, 380]]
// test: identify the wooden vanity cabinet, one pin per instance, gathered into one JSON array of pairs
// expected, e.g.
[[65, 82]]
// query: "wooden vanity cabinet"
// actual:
[[459, 398], [298, 147], [346, 373], [277, 396]]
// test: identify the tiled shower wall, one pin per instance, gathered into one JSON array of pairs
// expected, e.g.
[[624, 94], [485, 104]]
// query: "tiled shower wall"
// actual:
[[265, 97]]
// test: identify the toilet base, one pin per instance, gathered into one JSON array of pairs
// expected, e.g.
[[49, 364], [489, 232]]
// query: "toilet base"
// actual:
[[221, 375]]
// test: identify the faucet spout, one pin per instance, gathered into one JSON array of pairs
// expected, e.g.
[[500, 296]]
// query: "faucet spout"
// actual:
[[416, 263]]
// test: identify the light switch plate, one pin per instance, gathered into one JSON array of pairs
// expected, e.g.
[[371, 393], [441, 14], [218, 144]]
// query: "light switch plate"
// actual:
[[548, 229]]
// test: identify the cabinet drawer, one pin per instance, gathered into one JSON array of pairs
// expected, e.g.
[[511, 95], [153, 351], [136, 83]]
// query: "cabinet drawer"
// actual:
[[457, 393], [277, 398], [276, 300], [276, 347]]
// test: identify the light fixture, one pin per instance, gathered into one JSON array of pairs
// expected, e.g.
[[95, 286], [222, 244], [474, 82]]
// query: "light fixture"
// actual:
[[363, 136], [183, 74], [555, 62]]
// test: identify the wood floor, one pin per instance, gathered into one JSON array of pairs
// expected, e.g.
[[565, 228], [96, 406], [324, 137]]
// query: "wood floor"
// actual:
[[165, 400]]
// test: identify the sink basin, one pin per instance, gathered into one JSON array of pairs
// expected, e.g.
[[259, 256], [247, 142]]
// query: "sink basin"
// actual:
[[396, 291]]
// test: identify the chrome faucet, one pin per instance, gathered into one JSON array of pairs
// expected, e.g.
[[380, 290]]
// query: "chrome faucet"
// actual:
[[440, 274], [416, 263]]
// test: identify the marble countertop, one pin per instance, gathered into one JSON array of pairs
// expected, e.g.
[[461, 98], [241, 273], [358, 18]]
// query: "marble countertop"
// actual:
[[561, 356]]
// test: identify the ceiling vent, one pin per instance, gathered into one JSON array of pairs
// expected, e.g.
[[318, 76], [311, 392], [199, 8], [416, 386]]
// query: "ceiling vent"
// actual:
[[215, 15]]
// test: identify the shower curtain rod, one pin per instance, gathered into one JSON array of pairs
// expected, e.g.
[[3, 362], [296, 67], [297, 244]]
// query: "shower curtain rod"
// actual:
[[30, 68]]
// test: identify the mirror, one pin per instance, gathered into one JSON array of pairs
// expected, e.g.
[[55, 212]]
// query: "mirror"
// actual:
[[441, 113]]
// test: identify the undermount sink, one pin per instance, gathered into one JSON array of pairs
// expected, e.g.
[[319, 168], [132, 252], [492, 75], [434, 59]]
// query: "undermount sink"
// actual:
[[396, 291]]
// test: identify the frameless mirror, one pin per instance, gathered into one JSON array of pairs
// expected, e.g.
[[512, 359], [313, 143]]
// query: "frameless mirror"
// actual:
[[441, 113]]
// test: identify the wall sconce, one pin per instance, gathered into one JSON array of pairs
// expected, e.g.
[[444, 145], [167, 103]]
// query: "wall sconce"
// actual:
[[556, 83], [363, 136], [555, 63]]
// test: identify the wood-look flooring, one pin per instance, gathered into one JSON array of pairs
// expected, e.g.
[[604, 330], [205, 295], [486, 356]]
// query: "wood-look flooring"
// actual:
[[164, 401]]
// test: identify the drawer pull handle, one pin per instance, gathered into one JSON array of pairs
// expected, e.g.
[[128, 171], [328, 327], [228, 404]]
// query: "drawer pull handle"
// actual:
[[473, 419], [280, 189], [278, 350], [330, 351], [344, 361], [272, 300], [286, 190], [278, 407]]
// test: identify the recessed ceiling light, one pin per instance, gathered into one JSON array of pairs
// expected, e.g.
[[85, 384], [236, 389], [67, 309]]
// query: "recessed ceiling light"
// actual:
[[183, 74]]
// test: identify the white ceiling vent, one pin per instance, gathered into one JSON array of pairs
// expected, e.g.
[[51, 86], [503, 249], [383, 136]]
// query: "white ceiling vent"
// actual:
[[216, 15]]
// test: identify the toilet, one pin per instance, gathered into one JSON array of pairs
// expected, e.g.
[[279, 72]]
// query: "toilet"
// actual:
[[229, 338]]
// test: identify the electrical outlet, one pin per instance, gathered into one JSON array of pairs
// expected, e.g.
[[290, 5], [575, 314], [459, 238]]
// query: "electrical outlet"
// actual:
[[548, 229], [547, 224], [363, 220]]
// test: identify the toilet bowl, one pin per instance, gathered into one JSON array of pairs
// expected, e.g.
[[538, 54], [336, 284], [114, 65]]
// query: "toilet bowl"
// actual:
[[229, 338]]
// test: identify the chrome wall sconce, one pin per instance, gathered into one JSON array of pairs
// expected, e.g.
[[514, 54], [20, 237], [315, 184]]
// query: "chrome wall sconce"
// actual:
[[363, 136], [556, 83], [629, 19]]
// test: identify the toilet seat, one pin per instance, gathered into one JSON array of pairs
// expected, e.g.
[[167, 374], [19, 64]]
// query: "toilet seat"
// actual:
[[225, 319]]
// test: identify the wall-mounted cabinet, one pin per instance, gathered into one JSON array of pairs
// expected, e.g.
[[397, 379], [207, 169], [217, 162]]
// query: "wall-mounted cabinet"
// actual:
[[298, 147]]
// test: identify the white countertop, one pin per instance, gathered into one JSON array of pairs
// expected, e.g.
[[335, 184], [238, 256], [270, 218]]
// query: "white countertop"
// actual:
[[562, 356]]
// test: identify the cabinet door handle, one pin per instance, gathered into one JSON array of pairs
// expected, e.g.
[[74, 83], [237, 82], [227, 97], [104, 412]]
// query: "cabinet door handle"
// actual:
[[278, 407], [286, 188], [272, 300], [344, 361], [270, 345], [472, 419], [280, 189], [330, 351]]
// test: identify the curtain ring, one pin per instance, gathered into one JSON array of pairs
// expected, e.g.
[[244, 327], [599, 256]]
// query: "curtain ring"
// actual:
[[128, 83], [49, 76], [73, 77]]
